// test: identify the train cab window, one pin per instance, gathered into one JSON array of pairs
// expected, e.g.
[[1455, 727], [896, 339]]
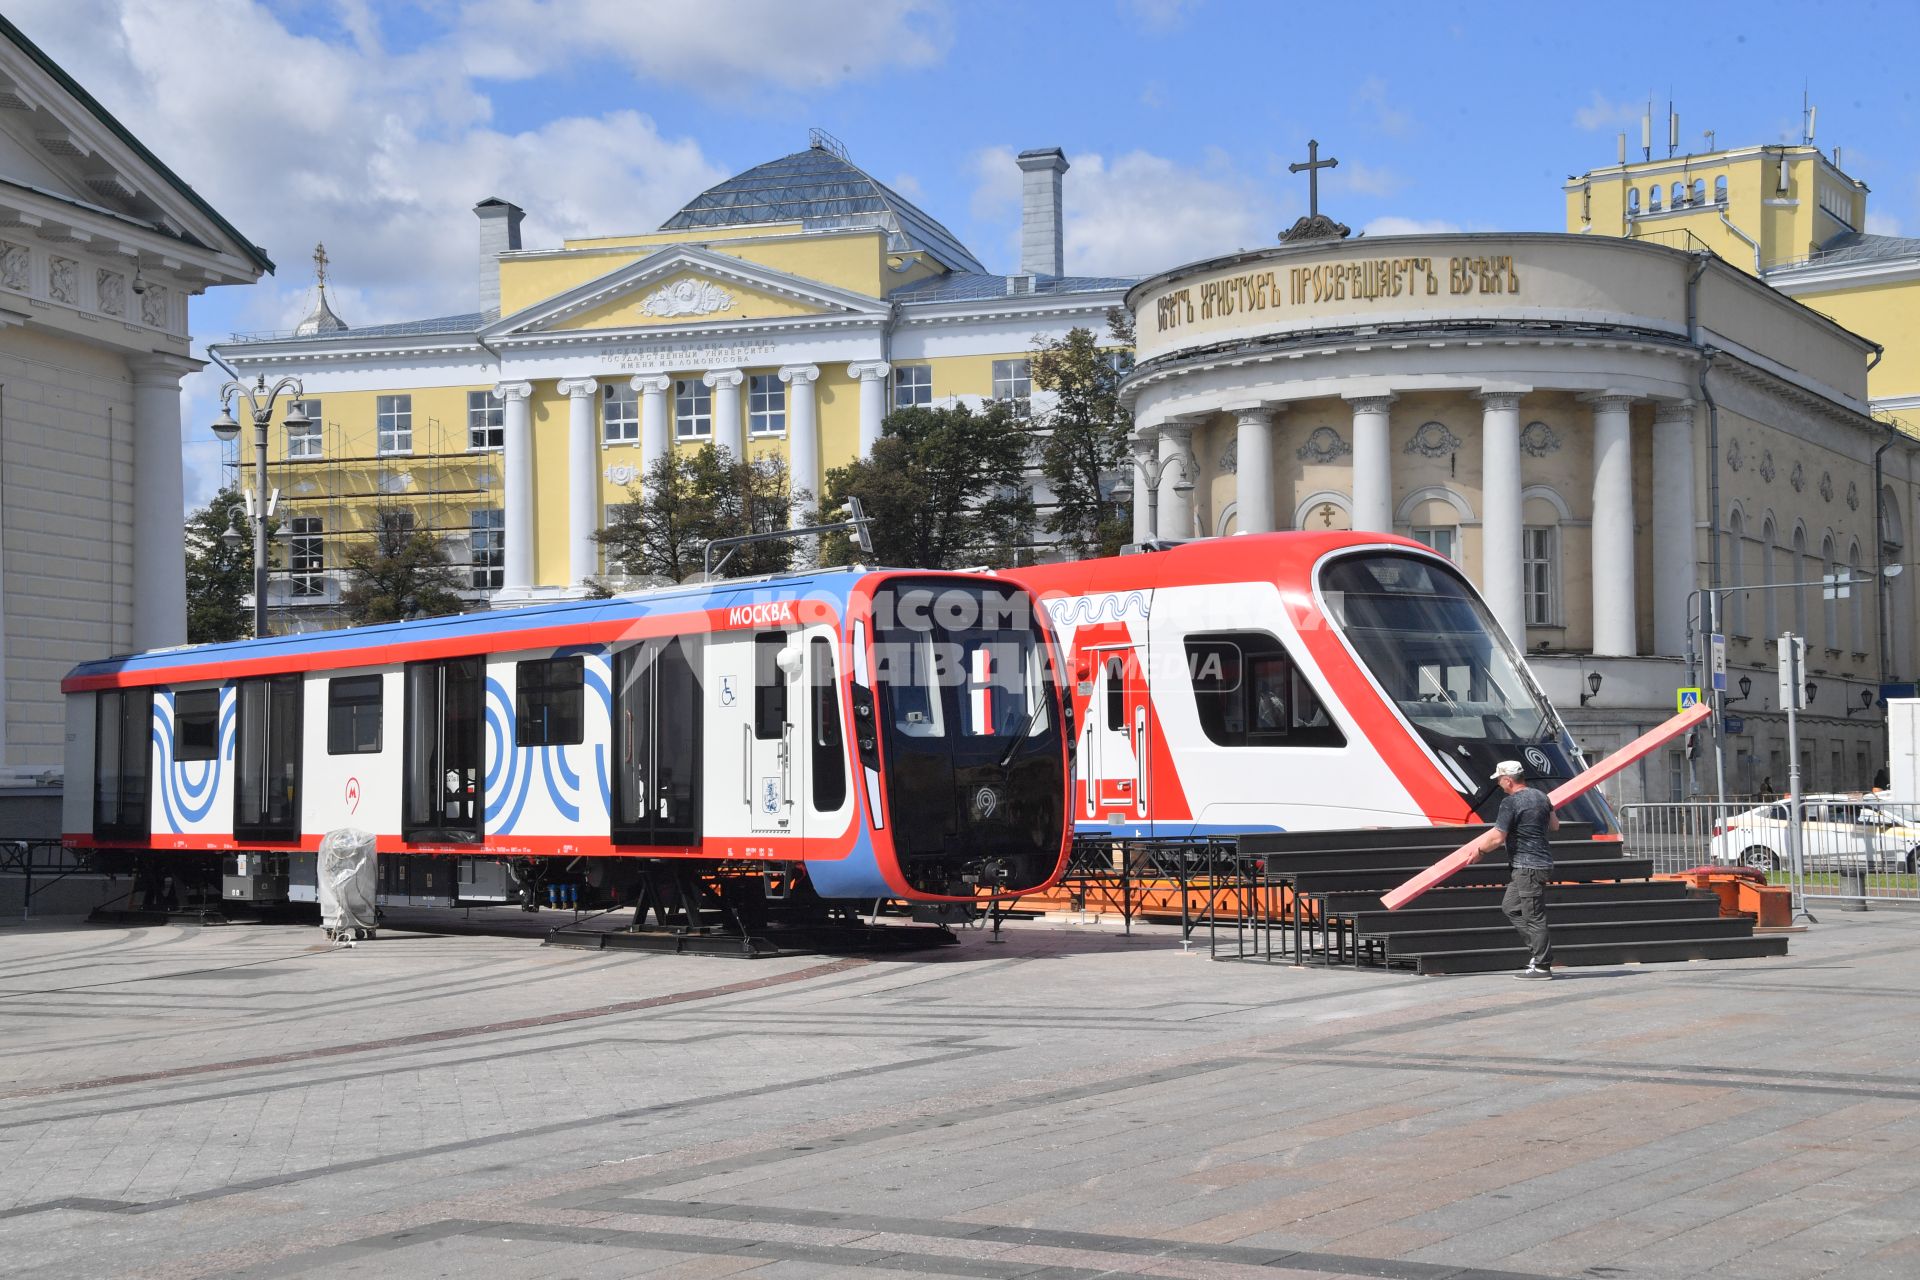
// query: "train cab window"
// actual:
[[1116, 694], [1006, 693], [353, 716], [122, 762], [266, 797], [196, 725], [769, 685], [549, 703], [910, 669], [829, 761], [1249, 693]]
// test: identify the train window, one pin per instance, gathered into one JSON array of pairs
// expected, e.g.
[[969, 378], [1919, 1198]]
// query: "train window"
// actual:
[[1116, 694], [769, 685], [1249, 693], [829, 763], [122, 763], [548, 707], [196, 725], [353, 716], [1005, 693], [910, 668], [266, 797]]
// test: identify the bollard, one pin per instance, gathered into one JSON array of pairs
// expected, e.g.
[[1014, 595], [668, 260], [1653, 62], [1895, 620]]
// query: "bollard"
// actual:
[[1853, 889]]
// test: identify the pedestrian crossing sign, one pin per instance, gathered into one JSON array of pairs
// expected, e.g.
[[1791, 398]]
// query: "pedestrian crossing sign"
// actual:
[[1688, 698]]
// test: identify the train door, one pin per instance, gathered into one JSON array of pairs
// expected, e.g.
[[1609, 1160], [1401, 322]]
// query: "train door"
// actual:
[[266, 751], [122, 763], [1119, 720], [824, 760], [445, 751], [657, 724]]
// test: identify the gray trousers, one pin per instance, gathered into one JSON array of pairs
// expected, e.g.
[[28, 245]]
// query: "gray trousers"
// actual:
[[1526, 905]]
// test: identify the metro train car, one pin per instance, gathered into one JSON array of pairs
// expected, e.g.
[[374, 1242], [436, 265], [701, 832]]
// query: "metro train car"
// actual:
[[834, 737], [1292, 681]]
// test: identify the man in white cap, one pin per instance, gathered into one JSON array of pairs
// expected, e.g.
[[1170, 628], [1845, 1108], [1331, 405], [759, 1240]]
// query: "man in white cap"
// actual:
[[1525, 818]]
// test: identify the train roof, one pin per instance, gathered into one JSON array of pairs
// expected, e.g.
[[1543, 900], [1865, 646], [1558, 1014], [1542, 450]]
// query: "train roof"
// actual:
[[542, 625], [1252, 557]]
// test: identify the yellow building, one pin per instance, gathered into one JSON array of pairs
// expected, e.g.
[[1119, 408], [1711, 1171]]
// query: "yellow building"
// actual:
[[784, 311], [1788, 214]]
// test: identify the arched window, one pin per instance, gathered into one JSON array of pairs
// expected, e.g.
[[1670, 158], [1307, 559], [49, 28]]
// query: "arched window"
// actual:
[[1720, 189], [1798, 568], [1857, 603], [1699, 191], [1736, 608], [1436, 522], [1633, 199], [1829, 598], [1770, 608], [1540, 562], [1679, 194], [1653, 198]]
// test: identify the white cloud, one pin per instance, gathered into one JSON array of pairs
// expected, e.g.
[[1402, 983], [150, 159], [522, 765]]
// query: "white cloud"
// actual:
[[1387, 118], [1394, 225], [716, 47], [1138, 212], [1603, 113], [1882, 224], [1364, 179]]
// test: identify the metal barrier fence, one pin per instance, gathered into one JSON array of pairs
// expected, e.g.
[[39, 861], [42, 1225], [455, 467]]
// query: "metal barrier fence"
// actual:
[[1851, 848]]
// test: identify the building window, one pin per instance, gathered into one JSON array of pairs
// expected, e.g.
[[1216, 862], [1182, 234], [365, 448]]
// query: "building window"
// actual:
[[1540, 574], [395, 419], [304, 442], [489, 553], [1633, 200], [620, 412], [1440, 540], [692, 409], [306, 557], [1653, 198], [1769, 600], [619, 514], [1856, 610], [196, 725], [1830, 596], [1679, 194], [486, 420], [1249, 694], [1720, 189], [1736, 607], [1012, 384], [353, 716], [1699, 195], [766, 405], [1799, 571], [912, 385], [548, 706]]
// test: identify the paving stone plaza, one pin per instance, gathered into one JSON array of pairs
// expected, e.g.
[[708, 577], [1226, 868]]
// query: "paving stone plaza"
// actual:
[[1071, 1102]]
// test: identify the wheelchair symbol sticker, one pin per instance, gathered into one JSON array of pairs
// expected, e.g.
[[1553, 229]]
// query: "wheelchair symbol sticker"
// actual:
[[726, 691]]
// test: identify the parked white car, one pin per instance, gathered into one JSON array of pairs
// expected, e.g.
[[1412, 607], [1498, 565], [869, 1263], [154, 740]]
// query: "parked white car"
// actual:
[[1839, 830]]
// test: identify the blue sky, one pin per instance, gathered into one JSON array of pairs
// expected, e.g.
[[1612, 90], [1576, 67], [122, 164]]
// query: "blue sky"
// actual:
[[377, 126]]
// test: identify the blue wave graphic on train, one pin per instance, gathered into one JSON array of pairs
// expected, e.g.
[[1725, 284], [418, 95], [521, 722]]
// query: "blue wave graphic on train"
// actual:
[[511, 774], [188, 787]]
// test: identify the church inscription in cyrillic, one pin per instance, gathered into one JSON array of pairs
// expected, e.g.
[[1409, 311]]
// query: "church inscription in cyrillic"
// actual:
[[1365, 279]]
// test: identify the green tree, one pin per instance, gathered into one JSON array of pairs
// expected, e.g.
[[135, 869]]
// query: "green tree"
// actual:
[[943, 488], [219, 570], [398, 573], [688, 498], [1084, 445]]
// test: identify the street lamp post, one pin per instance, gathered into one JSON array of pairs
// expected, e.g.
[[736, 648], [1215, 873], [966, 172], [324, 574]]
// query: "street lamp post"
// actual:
[[1151, 470], [259, 400]]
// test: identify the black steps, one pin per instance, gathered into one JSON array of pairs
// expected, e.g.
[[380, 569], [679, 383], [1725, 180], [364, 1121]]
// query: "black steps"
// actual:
[[1480, 873], [1439, 919], [1430, 942], [1495, 960]]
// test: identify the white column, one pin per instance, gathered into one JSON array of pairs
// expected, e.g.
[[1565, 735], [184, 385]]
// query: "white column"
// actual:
[[583, 479], [1253, 473], [1615, 617], [1500, 568], [1143, 502], [516, 497], [873, 401], [1372, 464], [1176, 480], [653, 388], [1676, 556], [803, 439], [159, 537], [728, 431]]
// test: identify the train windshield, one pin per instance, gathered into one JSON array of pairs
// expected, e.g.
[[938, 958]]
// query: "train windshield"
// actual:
[[970, 709], [1434, 648]]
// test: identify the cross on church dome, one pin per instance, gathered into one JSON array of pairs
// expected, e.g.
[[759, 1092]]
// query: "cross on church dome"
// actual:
[[1316, 225]]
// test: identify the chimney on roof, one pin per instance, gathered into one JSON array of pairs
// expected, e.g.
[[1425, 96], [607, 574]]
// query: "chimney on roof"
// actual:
[[499, 233], [1041, 252]]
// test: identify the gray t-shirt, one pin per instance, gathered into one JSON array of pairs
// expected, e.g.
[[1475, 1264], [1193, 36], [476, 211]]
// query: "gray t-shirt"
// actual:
[[1523, 820]]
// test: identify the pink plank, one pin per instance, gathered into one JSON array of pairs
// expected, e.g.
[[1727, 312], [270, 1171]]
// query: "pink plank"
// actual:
[[1572, 789]]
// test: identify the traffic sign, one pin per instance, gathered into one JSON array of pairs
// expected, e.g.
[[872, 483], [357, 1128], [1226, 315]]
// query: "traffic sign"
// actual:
[[1734, 724], [1793, 672], [1688, 698], [1717, 662]]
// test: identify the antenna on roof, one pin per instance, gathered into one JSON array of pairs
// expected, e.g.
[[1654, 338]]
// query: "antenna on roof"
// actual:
[[821, 140], [1807, 110]]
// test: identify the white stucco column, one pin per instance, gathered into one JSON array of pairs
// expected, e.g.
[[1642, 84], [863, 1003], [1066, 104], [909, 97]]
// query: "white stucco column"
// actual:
[[1615, 617], [1176, 481], [159, 537], [1253, 468], [583, 479], [729, 431], [1372, 464], [1141, 445], [873, 401], [1500, 523], [516, 491], [1676, 556], [653, 388], [803, 440]]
